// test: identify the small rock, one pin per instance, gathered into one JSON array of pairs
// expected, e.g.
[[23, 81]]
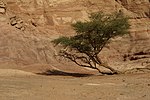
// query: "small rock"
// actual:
[[13, 22], [19, 26], [2, 10], [121, 93], [123, 80], [144, 95], [17, 22], [2, 4], [2, 7]]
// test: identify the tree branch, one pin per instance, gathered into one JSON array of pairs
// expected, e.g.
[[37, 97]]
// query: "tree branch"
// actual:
[[74, 59]]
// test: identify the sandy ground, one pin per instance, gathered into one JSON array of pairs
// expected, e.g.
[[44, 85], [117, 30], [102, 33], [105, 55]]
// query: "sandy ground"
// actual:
[[20, 85]]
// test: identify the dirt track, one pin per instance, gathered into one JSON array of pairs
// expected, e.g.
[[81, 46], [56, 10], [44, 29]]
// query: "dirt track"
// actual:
[[27, 86]]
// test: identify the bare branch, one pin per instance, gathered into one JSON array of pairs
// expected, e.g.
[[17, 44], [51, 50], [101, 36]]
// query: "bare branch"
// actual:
[[77, 59]]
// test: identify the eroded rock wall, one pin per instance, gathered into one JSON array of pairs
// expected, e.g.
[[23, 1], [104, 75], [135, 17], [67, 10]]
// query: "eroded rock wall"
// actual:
[[28, 26]]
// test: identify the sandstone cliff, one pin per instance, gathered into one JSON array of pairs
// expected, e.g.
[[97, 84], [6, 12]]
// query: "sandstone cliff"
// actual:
[[28, 26]]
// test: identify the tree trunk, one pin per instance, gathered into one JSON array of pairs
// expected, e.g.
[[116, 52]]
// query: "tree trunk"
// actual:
[[110, 68], [98, 69], [106, 66]]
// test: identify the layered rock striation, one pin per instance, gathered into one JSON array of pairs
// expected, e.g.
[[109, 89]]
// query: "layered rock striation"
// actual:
[[28, 26]]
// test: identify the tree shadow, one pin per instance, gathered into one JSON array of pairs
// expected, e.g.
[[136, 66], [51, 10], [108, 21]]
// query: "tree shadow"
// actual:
[[63, 73]]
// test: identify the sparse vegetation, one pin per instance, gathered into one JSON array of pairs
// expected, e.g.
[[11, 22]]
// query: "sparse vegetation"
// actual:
[[91, 37]]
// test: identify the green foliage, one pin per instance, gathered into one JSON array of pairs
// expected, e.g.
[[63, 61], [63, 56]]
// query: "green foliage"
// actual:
[[93, 35], [65, 41]]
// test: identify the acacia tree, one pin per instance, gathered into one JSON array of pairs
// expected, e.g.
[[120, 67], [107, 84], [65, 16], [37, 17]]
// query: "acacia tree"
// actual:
[[91, 37]]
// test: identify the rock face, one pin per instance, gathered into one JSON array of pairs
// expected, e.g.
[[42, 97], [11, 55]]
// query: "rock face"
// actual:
[[140, 7], [28, 26]]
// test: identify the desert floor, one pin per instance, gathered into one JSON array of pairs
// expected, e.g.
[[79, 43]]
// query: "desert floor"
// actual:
[[21, 85]]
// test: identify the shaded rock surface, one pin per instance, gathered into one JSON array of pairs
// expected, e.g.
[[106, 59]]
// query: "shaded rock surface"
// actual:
[[28, 26]]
